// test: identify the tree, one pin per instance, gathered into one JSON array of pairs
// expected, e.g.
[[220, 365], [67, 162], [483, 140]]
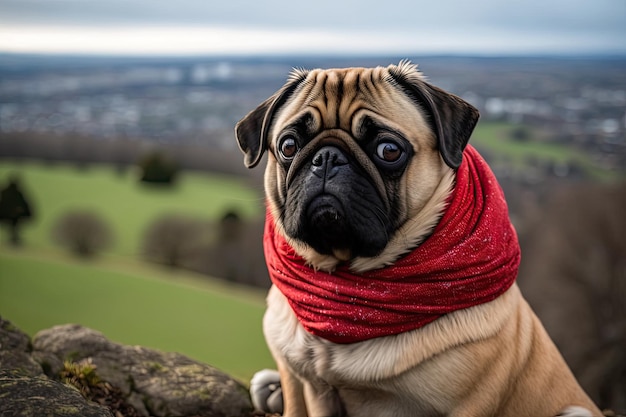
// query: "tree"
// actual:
[[230, 248], [237, 253], [157, 168], [14, 209], [230, 227], [84, 232], [520, 134]]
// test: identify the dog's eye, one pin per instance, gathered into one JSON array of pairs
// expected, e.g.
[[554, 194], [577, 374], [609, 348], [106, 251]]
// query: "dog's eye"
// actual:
[[288, 147], [388, 151]]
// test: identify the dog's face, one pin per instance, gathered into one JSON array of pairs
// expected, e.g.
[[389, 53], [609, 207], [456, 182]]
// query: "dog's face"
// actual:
[[359, 160]]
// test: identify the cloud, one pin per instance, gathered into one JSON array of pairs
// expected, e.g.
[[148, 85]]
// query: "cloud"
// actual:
[[348, 25], [406, 14]]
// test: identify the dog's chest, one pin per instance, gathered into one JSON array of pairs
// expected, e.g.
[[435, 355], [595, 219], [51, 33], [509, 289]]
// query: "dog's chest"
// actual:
[[340, 371], [312, 357], [364, 364]]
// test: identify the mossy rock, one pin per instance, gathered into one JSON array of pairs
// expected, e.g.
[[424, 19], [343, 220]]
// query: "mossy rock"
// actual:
[[22, 395], [157, 383], [71, 370]]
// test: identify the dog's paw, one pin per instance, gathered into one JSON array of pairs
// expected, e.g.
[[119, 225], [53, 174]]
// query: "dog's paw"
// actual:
[[575, 412], [265, 391]]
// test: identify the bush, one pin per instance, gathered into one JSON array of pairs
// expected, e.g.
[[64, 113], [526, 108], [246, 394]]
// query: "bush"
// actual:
[[520, 134], [230, 248], [230, 227], [169, 239], [84, 232], [157, 168], [237, 253]]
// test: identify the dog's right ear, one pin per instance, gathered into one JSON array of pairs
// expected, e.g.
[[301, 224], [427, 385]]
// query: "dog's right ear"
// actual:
[[251, 132]]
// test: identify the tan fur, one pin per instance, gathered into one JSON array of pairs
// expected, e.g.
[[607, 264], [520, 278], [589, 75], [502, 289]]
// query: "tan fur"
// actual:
[[382, 104], [493, 359]]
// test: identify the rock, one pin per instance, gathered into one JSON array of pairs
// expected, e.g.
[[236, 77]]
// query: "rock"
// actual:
[[15, 350], [19, 362], [12, 338], [162, 384], [131, 380], [26, 391], [23, 395]]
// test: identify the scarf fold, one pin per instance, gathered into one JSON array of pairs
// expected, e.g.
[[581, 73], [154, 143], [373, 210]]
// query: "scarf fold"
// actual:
[[471, 258]]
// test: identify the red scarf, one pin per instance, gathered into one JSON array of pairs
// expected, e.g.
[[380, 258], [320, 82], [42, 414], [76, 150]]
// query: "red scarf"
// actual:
[[471, 258]]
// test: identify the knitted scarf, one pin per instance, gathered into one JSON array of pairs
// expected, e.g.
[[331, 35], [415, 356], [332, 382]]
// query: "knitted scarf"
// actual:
[[471, 258]]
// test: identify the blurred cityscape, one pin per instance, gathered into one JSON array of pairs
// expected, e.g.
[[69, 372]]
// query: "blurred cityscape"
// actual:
[[578, 102]]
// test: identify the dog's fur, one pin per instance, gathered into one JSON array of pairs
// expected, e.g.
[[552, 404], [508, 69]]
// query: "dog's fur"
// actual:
[[494, 359]]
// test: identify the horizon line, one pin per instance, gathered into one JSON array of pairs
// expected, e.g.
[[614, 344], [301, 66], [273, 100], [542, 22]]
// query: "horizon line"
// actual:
[[230, 41], [566, 55]]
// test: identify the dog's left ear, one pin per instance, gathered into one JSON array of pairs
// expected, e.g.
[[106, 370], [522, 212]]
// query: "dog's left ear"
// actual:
[[251, 131], [452, 118]]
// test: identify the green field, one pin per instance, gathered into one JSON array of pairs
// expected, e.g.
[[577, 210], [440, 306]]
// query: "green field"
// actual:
[[124, 203], [216, 323], [128, 300], [497, 139]]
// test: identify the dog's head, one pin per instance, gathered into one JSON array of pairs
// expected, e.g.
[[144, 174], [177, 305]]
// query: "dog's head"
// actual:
[[360, 160]]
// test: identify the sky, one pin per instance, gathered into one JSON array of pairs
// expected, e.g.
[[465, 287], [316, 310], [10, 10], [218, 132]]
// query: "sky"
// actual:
[[191, 27]]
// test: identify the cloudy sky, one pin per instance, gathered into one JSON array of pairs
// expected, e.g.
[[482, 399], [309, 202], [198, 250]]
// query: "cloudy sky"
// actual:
[[185, 27]]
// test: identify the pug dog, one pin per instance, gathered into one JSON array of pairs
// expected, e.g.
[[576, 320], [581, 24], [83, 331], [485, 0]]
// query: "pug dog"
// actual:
[[392, 257]]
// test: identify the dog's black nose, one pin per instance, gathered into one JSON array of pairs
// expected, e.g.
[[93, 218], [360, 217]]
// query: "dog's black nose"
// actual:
[[327, 160]]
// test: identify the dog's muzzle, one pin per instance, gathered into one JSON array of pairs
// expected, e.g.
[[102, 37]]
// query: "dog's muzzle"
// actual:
[[335, 201]]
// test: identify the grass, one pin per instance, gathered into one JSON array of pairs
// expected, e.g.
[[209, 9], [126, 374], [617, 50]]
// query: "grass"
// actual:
[[496, 138], [218, 324], [130, 301], [126, 205]]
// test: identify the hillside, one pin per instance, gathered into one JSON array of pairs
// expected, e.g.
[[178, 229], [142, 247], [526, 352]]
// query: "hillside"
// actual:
[[132, 303], [117, 293]]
